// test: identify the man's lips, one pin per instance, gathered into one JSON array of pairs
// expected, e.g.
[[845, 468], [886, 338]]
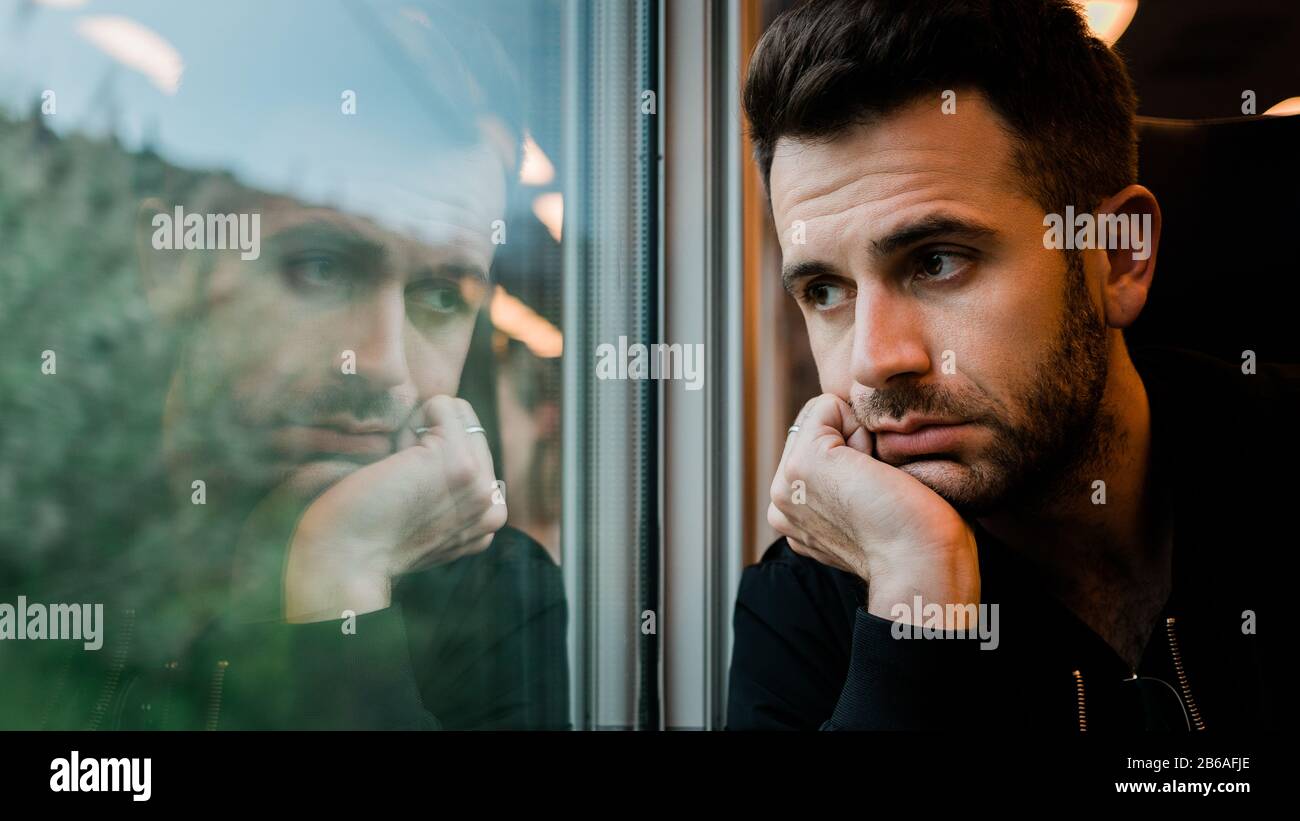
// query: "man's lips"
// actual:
[[348, 424], [357, 443], [915, 437]]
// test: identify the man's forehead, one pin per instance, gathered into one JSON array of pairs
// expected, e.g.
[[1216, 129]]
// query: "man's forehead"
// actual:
[[449, 206], [440, 226], [964, 155]]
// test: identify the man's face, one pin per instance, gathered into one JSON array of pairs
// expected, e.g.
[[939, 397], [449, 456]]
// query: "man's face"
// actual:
[[313, 359], [976, 356]]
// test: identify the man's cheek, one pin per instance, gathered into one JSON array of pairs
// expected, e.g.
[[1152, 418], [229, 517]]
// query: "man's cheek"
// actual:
[[437, 369], [273, 369], [834, 364]]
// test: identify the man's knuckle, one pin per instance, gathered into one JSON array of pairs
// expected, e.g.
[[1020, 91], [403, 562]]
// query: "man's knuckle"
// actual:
[[780, 490], [496, 517], [796, 468]]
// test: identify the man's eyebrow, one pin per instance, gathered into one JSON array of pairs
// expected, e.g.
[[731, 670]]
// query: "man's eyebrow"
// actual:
[[321, 232], [909, 234], [929, 227], [452, 269], [794, 272]]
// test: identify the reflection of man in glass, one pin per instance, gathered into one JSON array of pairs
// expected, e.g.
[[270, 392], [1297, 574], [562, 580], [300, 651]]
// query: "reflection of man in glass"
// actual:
[[338, 557]]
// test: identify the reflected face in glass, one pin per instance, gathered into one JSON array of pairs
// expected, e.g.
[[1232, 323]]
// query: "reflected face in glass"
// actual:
[[977, 357], [314, 359]]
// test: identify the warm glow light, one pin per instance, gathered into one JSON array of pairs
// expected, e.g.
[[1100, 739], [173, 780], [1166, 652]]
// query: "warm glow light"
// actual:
[[133, 45], [1291, 105], [549, 208], [1109, 18], [513, 317], [537, 168]]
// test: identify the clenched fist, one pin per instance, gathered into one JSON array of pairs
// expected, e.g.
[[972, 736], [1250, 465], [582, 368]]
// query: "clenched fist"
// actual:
[[433, 501], [837, 504]]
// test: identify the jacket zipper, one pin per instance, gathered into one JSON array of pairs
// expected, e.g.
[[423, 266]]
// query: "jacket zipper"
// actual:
[[1172, 633], [172, 667], [1080, 701], [114, 677], [1182, 674], [214, 700], [57, 693]]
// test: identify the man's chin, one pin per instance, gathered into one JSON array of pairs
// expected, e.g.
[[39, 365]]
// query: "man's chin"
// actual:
[[942, 474], [307, 480], [964, 487]]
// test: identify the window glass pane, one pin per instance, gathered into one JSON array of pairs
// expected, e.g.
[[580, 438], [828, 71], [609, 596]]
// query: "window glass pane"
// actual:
[[282, 289]]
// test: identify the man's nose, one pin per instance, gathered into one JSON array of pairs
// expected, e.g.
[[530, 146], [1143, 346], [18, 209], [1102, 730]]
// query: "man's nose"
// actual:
[[379, 334], [888, 337]]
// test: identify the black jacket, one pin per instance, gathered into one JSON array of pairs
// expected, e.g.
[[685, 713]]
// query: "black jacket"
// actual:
[[479, 643], [807, 655]]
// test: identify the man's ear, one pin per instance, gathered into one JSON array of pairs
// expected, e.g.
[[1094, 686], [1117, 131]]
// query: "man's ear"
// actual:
[[168, 276], [1132, 267]]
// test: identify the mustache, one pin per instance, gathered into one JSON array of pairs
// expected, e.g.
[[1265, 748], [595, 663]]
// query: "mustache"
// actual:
[[356, 401], [898, 401]]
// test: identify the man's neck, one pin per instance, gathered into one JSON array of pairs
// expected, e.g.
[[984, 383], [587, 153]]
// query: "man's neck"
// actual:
[[1103, 549]]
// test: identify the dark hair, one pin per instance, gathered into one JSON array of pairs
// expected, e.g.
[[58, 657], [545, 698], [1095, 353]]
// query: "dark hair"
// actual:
[[827, 65]]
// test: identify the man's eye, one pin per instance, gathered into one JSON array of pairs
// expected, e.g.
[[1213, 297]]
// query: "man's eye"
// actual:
[[940, 264], [823, 295], [315, 272], [442, 298]]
